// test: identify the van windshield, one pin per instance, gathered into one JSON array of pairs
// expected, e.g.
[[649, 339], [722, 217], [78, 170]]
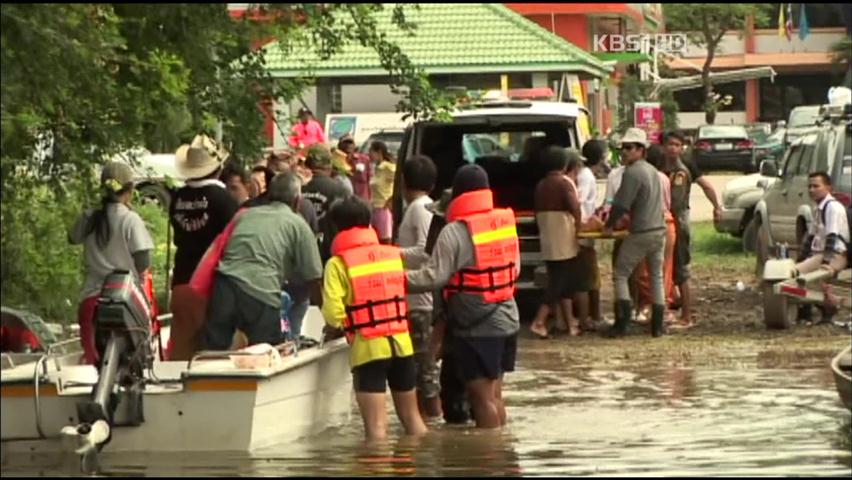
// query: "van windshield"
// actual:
[[803, 116]]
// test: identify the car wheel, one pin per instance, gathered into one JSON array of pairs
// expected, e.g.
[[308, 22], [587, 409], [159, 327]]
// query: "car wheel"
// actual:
[[155, 194], [750, 236], [779, 312], [761, 247]]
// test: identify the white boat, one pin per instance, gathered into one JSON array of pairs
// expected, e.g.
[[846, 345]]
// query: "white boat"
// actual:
[[214, 402]]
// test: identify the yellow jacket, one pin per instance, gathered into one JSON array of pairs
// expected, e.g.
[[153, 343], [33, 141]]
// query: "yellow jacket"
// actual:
[[336, 295], [381, 185]]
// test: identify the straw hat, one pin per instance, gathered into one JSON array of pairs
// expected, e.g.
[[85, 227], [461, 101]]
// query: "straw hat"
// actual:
[[200, 158]]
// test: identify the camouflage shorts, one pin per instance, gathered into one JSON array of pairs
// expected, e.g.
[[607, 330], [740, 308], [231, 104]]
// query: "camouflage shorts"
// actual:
[[427, 369]]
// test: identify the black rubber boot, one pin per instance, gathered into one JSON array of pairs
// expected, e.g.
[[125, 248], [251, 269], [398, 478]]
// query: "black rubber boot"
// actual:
[[657, 327], [804, 313], [623, 309]]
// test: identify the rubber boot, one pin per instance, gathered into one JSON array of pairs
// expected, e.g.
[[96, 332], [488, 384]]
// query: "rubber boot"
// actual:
[[804, 312], [623, 309], [657, 312]]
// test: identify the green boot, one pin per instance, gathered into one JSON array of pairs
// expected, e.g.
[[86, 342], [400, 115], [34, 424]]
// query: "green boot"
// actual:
[[623, 309], [657, 328]]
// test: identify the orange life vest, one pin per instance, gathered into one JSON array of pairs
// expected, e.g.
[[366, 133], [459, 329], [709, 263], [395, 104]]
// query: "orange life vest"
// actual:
[[496, 249], [377, 280]]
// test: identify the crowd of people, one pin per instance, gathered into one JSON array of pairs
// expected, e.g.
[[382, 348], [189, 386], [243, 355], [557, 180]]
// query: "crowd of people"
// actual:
[[256, 246], [647, 196]]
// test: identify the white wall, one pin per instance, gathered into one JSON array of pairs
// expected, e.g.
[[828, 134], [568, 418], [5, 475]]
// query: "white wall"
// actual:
[[696, 119], [768, 41], [368, 99], [820, 41], [731, 44]]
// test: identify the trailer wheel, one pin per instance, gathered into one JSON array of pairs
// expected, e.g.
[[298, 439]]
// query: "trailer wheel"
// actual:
[[779, 311]]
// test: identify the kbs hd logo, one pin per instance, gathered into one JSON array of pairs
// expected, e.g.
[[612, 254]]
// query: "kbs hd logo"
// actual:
[[661, 42]]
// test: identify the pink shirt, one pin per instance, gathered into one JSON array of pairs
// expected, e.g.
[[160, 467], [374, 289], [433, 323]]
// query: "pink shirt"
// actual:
[[666, 185], [307, 134]]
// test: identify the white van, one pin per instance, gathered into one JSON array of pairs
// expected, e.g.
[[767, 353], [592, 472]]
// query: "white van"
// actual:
[[361, 125]]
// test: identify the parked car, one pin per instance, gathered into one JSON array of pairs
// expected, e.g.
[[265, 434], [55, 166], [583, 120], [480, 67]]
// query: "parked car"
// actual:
[[156, 175], [768, 146], [724, 147], [801, 119], [739, 199], [785, 213], [515, 133], [392, 138]]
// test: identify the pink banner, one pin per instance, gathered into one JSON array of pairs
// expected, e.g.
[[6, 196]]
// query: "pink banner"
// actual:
[[649, 117]]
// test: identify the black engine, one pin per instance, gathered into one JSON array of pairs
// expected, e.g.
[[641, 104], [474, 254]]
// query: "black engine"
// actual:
[[122, 338]]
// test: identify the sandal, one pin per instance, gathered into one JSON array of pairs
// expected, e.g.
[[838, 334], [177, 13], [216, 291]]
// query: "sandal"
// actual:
[[538, 334]]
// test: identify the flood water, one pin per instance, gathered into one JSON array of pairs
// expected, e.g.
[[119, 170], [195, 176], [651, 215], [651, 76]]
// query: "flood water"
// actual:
[[751, 415]]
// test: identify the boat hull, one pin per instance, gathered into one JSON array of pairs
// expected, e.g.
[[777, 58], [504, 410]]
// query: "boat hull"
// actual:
[[842, 378]]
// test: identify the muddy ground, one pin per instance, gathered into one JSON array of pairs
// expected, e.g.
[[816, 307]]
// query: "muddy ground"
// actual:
[[729, 328]]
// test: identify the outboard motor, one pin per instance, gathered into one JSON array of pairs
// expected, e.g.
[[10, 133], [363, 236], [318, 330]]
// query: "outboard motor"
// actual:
[[123, 340]]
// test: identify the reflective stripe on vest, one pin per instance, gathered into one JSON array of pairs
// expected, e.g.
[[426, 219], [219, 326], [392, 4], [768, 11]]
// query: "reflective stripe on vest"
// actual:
[[496, 249], [377, 281]]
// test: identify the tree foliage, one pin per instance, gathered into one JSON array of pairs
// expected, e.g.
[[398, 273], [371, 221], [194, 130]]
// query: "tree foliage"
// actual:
[[706, 24], [81, 82]]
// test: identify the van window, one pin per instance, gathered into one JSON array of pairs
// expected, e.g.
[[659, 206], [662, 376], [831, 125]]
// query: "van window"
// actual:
[[807, 159], [792, 162], [826, 144]]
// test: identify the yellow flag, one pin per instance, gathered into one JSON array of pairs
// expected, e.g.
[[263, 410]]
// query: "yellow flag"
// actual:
[[782, 31]]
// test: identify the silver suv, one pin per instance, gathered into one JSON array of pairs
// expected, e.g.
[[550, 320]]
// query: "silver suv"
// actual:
[[785, 213]]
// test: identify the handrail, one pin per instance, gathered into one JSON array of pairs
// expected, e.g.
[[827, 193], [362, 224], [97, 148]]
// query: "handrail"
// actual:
[[36, 397]]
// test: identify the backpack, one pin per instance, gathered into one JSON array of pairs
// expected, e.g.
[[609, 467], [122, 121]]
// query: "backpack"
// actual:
[[849, 227]]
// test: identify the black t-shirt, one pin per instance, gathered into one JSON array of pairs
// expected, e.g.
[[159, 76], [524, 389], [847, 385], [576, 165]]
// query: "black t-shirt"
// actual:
[[199, 212], [322, 191]]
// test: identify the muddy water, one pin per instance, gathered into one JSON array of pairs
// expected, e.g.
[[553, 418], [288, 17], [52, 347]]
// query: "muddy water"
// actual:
[[753, 410]]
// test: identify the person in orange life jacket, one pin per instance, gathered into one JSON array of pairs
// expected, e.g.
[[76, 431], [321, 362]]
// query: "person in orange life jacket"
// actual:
[[454, 404], [477, 261], [114, 238], [364, 294]]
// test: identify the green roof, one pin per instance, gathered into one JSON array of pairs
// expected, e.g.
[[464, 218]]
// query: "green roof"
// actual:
[[449, 38], [623, 57]]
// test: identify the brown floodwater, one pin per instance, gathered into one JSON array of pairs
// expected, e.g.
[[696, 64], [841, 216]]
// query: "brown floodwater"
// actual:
[[753, 411]]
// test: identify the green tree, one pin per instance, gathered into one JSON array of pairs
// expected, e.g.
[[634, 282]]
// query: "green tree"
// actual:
[[81, 82], [706, 24]]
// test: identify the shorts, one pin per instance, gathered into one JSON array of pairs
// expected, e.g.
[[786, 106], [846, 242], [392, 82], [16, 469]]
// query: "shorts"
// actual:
[[374, 377], [562, 279], [682, 256], [484, 357], [591, 276], [382, 221], [427, 369]]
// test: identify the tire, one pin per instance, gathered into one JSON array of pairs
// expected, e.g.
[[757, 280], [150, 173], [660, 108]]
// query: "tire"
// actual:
[[156, 194], [761, 248], [779, 311], [750, 236]]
